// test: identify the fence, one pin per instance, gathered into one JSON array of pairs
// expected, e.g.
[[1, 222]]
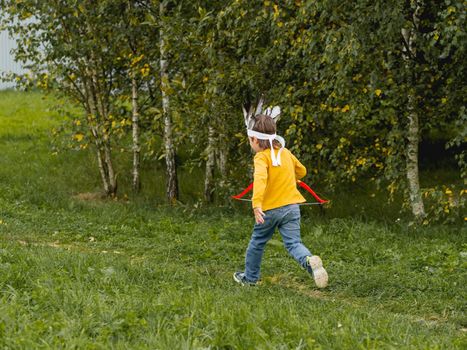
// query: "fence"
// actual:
[[7, 63]]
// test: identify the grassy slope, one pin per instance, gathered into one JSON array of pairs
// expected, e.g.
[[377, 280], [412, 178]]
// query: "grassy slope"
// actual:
[[100, 274]]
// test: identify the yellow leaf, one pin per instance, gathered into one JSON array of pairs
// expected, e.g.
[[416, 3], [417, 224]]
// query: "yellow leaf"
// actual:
[[319, 146], [78, 137], [276, 11], [145, 70], [345, 108], [361, 161], [378, 92]]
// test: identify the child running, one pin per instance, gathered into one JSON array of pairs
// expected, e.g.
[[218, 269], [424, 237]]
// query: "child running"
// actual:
[[275, 203]]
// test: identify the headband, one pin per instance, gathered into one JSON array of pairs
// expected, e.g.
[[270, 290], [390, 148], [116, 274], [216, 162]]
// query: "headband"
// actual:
[[271, 138]]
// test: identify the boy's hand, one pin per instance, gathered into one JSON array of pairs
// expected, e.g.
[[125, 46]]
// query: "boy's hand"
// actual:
[[259, 215]]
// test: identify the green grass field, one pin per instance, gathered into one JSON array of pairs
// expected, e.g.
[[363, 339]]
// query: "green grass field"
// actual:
[[136, 274]]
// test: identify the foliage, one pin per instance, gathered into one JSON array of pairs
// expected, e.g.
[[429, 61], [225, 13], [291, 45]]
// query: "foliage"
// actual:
[[445, 204], [341, 73]]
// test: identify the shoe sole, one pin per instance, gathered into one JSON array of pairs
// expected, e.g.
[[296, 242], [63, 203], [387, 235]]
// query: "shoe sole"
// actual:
[[319, 273]]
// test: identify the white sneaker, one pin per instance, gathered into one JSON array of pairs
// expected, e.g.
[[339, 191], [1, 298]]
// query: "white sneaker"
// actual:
[[239, 277], [318, 272]]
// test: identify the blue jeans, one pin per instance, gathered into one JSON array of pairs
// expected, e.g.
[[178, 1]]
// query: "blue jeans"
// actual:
[[287, 220]]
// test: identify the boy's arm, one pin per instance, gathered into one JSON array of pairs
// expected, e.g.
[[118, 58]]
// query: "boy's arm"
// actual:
[[300, 170], [260, 180]]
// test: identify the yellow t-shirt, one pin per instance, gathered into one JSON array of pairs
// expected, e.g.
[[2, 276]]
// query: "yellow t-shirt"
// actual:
[[276, 186]]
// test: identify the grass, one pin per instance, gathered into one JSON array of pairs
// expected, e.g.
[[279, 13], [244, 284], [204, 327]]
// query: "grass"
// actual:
[[93, 274]]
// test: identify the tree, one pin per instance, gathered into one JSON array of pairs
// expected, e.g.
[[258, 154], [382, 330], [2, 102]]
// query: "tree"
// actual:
[[172, 180], [70, 47], [358, 105], [360, 83], [135, 50]]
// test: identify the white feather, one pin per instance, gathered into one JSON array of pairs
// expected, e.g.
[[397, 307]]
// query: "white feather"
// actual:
[[259, 107], [275, 112], [245, 116]]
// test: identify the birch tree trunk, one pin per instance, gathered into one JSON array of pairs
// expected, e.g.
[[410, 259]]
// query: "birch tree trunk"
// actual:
[[413, 138], [92, 121], [136, 141], [99, 154], [98, 112], [110, 170], [105, 138], [171, 171], [210, 164], [413, 132]]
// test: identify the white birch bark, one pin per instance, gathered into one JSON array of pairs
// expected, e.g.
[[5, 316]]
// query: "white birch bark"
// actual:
[[172, 183], [210, 164], [413, 131], [105, 142], [136, 139], [99, 153], [92, 111], [416, 200], [99, 112]]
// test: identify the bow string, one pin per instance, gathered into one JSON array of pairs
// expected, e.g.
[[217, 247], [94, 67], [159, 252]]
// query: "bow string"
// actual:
[[319, 201]]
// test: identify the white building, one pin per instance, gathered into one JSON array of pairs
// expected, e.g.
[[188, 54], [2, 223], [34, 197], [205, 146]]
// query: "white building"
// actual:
[[7, 63]]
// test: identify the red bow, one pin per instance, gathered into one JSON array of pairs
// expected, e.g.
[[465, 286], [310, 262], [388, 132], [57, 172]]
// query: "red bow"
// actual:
[[300, 183]]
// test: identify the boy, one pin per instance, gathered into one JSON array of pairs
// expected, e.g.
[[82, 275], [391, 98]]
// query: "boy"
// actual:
[[275, 203]]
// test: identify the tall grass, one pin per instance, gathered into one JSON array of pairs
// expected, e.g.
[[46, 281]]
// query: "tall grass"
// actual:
[[136, 274]]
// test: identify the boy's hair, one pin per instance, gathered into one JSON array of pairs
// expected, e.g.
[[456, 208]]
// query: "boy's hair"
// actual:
[[266, 125]]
